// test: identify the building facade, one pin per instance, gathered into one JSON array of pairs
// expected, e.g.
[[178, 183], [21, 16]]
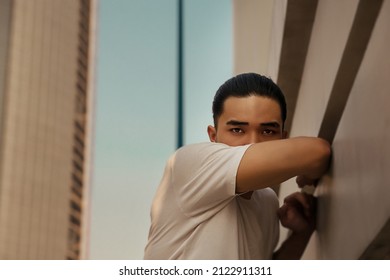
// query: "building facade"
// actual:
[[330, 59], [46, 120]]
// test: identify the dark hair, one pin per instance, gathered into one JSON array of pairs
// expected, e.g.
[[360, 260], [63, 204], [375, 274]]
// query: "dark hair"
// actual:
[[245, 85]]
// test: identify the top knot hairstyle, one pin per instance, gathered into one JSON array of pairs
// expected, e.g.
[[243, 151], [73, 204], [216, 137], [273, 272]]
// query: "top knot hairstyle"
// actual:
[[245, 85]]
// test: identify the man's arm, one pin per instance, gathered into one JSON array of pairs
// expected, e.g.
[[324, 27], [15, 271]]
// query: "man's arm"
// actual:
[[298, 214], [270, 163], [293, 247]]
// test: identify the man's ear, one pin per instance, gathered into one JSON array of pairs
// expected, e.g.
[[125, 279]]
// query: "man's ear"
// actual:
[[212, 132]]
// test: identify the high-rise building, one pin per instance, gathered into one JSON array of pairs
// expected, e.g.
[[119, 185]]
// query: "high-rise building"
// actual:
[[46, 120]]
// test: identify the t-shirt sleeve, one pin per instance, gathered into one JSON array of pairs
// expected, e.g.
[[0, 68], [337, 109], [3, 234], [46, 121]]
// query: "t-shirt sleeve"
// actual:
[[204, 177]]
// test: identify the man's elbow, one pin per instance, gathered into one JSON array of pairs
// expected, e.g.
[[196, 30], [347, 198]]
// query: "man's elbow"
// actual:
[[323, 154]]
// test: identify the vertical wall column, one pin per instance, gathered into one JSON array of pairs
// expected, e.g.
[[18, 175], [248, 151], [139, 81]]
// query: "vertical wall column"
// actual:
[[333, 68], [252, 21], [342, 85]]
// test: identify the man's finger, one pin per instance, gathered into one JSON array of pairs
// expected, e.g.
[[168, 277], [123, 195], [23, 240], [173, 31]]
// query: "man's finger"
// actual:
[[301, 201]]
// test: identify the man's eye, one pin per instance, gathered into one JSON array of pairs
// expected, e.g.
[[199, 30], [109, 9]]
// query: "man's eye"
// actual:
[[236, 130], [268, 132]]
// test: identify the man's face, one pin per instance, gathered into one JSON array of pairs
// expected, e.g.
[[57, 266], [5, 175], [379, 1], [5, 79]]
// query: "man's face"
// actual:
[[247, 120]]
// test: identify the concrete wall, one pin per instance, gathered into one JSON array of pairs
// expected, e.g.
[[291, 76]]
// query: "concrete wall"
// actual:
[[252, 21], [342, 94]]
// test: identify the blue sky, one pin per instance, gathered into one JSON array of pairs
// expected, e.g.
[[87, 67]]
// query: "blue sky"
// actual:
[[136, 107]]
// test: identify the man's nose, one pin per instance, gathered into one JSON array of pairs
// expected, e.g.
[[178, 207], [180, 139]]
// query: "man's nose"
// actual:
[[254, 137]]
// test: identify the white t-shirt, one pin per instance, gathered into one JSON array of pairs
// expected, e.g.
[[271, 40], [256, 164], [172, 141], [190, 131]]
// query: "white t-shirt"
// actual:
[[196, 213]]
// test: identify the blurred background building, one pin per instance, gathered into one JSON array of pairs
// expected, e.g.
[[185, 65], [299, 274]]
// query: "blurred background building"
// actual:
[[46, 118]]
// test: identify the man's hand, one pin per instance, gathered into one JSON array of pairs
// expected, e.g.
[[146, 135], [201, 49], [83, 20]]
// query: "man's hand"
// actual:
[[298, 213], [306, 181]]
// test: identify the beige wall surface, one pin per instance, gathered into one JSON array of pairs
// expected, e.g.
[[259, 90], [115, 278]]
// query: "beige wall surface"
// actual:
[[323, 57], [252, 21], [357, 195], [326, 48], [354, 197]]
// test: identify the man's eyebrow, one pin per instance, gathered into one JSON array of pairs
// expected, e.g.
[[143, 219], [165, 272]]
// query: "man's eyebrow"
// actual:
[[234, 122], [272, 124]]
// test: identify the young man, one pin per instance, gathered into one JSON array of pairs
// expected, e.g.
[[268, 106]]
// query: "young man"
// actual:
[[214, 200]]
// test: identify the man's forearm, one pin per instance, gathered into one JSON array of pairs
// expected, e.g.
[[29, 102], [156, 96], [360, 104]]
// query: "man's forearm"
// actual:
[[293, 247], [271, 163]]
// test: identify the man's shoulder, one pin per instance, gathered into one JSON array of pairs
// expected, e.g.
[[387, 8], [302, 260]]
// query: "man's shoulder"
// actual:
[[206, 149], [202, 146], [207, 152], [209, 146]]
